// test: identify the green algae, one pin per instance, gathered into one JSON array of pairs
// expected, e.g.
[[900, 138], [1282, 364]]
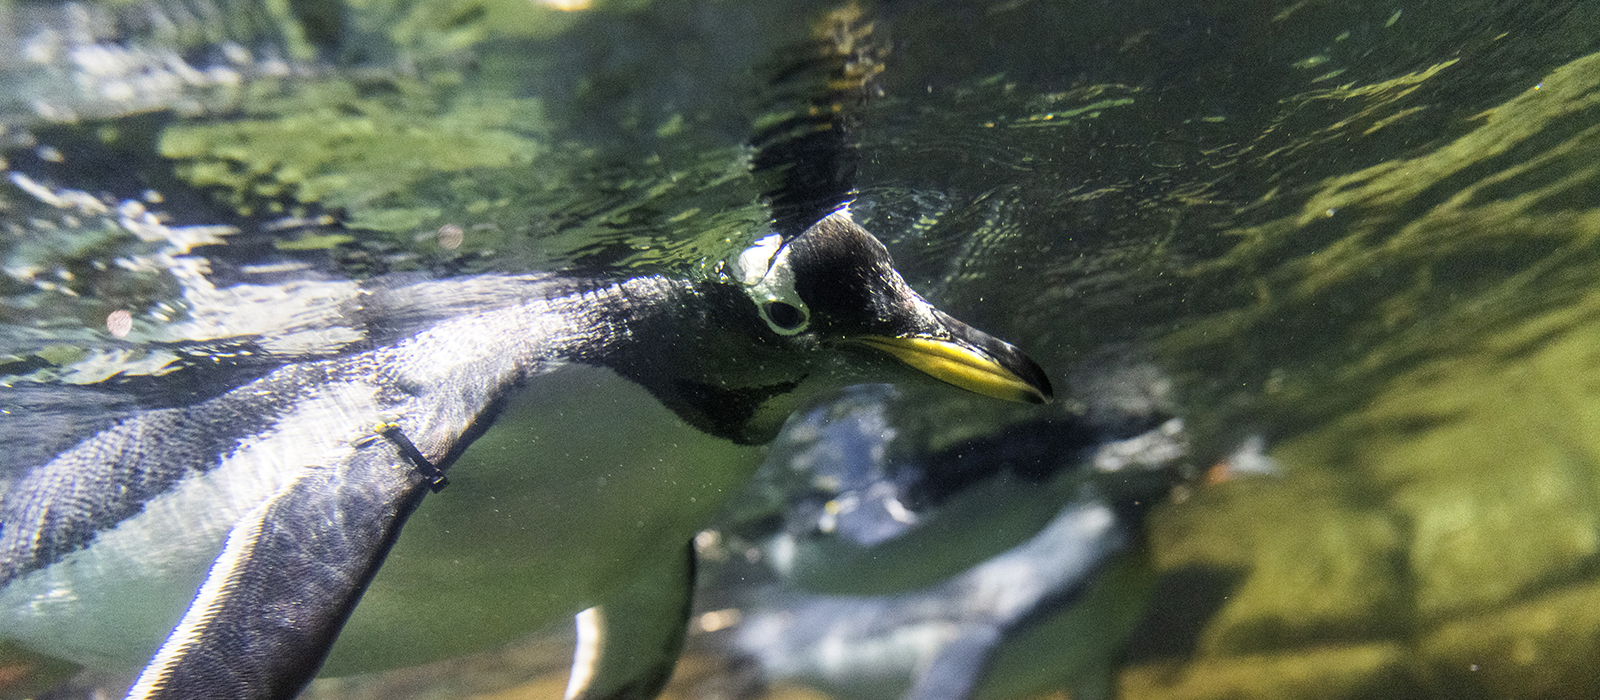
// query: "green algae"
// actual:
[[1539, 647], [1452, 522], [1325, 673], [331, 145], [1412, 255], [396, 156], [1482, 460], [313, 242], [1422, 330]]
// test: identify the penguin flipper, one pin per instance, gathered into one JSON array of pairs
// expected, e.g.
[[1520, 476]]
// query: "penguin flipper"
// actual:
[[628, 647], [288, 577], [956, 670]]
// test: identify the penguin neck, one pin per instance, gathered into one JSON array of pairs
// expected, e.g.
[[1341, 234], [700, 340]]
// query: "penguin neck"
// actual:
[[698, 348]]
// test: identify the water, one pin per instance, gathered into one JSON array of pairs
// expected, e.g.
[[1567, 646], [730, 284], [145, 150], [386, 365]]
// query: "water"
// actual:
[[1362, 231]]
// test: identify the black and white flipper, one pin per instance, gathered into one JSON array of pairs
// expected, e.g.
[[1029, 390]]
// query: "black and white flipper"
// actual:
[[288, 578]]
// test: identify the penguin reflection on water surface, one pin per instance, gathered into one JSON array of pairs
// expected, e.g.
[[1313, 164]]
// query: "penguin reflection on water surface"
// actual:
[[590, 427]]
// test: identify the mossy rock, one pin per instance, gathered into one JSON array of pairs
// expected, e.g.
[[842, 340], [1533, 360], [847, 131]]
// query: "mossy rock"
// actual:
[[1541, 648], [1325, 673]]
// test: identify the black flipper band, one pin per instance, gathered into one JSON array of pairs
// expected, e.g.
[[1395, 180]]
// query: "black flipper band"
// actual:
[[436, 479]]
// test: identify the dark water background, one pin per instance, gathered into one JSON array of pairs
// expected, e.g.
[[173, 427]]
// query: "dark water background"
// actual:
[[1365, 231]]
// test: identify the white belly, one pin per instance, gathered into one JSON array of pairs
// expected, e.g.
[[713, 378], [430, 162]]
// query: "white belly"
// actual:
[[583, 481]]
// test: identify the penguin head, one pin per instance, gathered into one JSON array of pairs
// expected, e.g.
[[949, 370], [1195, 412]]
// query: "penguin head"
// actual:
[[834, 287]]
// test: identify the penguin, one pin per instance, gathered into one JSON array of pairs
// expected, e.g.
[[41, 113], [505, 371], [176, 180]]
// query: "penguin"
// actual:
[[883, 591], [587, 428]]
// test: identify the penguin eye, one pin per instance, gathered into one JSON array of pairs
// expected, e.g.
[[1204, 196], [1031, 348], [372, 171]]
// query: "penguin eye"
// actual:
[[784, 317]]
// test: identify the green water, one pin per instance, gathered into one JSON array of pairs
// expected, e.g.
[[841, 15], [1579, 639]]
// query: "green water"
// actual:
[[1365, 231]]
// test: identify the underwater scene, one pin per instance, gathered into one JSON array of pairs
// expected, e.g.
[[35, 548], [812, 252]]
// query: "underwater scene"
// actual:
[[1316, 284]]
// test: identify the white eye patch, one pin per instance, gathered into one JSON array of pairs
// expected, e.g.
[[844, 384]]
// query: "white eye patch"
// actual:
[[755, 261], [768, 278]]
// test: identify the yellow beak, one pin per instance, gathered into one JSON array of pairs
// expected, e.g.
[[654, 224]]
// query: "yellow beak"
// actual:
[[964, 367]]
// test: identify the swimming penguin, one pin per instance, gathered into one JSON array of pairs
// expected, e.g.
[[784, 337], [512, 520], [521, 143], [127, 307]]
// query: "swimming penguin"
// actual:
[[588, 426], [1003, 566]]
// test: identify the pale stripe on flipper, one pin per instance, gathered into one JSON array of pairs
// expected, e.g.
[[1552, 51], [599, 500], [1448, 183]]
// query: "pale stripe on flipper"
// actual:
[[241, 543]]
